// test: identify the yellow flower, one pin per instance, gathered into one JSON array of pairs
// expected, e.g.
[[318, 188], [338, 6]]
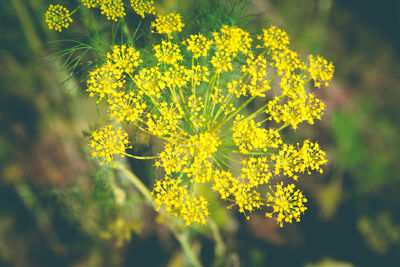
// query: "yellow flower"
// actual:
[[126, 107], [249, 136], [256, 69], [92, 3], [149, 82], [143, 7], [125, 58], [320, 70], [291, 161], [198, 45], [210, 137], [286, 61], [168, 53], [168, 24], [105, 80], [274, 38], [175, 199], [286, 203], [294, 111], [113, 9], [108, 142], [256, 171], [57, 17], [231, 40]]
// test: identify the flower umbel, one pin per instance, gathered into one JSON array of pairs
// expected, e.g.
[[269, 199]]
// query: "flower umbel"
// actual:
[[196, 100], [109, 142], [57, 17], [168, 24], [143, 7]]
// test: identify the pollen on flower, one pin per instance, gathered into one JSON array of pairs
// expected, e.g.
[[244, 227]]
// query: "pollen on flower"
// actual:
[[286, 203], [109, 142], [168, 24], [143, 7], [57, 17]]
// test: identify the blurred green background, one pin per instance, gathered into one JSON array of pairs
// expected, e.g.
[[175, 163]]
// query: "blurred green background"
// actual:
[[58, 208]]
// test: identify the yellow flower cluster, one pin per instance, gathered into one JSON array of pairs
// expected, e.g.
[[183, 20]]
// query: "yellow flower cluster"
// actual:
[[229, 42], [274, 38], [320, 70], [176, 199], [91, 3], [286, 203], [126, 107], [198, 45], [249, 136], [57, 17], [105, 81], [113, 9], [198, 111], [168, 53], [168, 24], [125, 58], [143, 7], [290, 160], [256, 69], [108, 142]]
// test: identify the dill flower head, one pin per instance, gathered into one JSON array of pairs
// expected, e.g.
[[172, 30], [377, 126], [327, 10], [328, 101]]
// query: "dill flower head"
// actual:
[[109, 142], [320, 70], [143, 7], [274, 38], [168, 24], [198, 45], [168, 53], [125, 58], [57, 17], [199, 111], [286, 203], [113, 9], [105, 81], [176, 199], [92, 3]]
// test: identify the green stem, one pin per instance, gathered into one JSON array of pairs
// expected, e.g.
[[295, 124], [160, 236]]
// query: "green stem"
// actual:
[[139, 157], [189, 253], [136, 182]]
